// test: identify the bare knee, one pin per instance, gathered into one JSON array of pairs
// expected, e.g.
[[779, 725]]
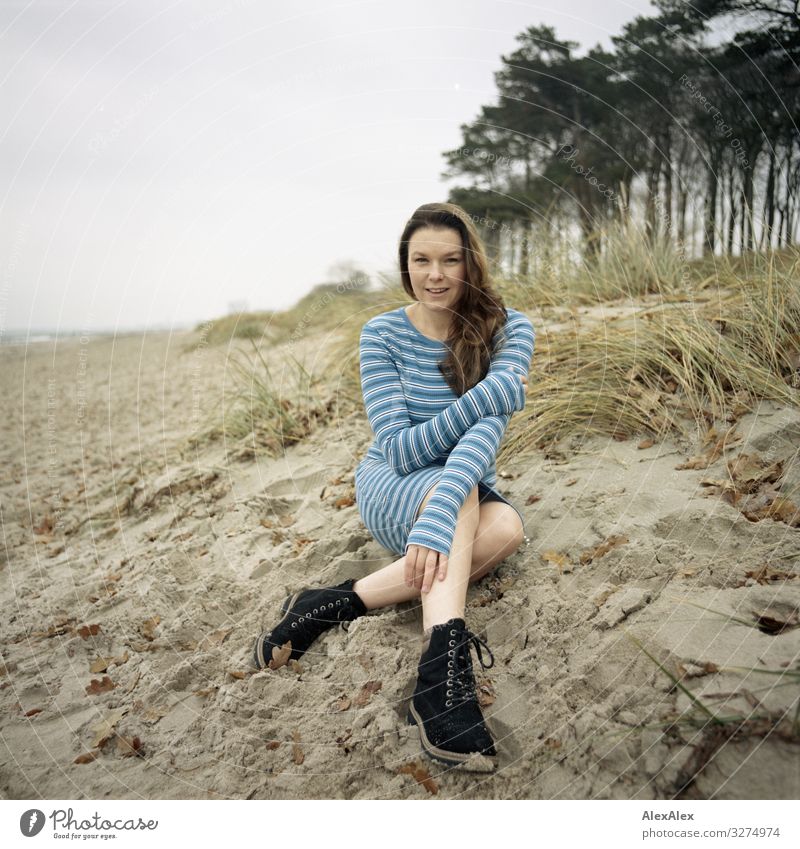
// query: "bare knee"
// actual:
[[498, 537]]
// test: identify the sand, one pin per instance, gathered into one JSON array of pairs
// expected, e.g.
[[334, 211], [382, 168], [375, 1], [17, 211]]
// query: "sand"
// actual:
[[136, 570]]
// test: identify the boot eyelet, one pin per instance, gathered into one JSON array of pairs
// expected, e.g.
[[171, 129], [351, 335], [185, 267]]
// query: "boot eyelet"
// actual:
[[347, 599], [448, 703], [449, 693], [316, 611], [294, 624], [450, 653], [452, 633], [451, 643], [338, 602]]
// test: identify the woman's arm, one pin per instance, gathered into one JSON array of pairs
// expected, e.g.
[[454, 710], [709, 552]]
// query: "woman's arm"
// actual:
[[474, 453], [466, 465], [408, 447]]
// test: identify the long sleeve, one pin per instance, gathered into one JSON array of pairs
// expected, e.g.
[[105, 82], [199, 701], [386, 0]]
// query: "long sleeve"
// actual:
[[465, 466], [474, 453], [406, 447]]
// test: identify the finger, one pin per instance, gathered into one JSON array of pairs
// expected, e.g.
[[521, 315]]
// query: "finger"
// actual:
[[442, 567], [430, 570], [421, 565], [411, 556]]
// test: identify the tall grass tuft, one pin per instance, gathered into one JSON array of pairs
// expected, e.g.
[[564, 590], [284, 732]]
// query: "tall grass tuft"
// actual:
[[266, 417], [667, 365]]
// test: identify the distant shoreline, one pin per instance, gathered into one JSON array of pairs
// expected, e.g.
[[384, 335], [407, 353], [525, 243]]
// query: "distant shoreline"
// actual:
[[15, 338]]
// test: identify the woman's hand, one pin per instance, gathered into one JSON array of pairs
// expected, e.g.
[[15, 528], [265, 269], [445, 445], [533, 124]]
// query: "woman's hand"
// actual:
[[423, 565]]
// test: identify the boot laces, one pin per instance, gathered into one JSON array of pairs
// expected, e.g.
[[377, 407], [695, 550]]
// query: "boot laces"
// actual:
[[311, 626], [460, 677]]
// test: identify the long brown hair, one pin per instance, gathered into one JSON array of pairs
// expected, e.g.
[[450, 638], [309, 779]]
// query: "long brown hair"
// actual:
[[480, 311]]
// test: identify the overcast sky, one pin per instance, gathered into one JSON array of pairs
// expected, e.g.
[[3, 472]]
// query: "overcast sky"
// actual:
[[162, 160]]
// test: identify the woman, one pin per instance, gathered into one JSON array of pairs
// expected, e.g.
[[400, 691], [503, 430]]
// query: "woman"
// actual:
[[441, 379]]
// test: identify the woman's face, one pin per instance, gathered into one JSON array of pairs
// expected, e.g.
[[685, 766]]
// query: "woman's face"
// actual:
[[436, 262]]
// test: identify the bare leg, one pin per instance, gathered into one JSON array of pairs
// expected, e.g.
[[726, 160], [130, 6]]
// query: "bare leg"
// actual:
[[499, 535]]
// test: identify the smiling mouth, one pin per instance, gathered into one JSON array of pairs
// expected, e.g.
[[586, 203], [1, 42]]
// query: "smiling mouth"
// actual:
[[438, 291]]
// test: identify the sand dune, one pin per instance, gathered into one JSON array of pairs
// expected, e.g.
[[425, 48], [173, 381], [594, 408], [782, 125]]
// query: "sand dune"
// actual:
[[136, 571]]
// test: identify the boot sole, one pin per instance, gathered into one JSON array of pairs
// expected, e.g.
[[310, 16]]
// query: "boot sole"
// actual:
[[442, 755], [258, 660]]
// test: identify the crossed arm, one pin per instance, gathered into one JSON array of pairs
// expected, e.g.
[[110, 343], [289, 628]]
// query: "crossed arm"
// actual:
[[474, 452], [408, 447]]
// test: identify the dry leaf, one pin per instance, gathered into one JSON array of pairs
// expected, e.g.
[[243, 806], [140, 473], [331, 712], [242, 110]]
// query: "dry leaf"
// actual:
[[105, 728], [45, 526], [717, 443], [421, 775], [280, 656], [103, 686], [86, 758], [367, 692], [237, 673], [344, 501], [129, 746], [273, 744], [750, 471], [603, 548], [149, 626], [33, 711], [153, 714], [342, 741], [486, 693], [217, 638], [780, 510], [556, 558], [102, 663], [532, 499], [342, 703], [766, 574], [86, 631], [297, 753], [646, 443]]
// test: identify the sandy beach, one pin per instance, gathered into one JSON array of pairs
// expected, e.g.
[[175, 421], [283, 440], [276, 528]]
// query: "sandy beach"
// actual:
[[641, 638]]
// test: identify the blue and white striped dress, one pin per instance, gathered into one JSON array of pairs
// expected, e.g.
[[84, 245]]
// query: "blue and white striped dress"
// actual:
[[425, 434]]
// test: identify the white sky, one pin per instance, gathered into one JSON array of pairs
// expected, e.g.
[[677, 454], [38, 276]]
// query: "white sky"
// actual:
[[161, 160]]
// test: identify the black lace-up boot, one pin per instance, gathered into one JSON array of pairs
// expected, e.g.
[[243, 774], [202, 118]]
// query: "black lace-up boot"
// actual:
[[307, 614], [445, 704]]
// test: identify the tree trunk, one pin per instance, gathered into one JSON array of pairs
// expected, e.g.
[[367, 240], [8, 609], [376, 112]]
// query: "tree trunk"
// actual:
[[710, 222], [769, 204]]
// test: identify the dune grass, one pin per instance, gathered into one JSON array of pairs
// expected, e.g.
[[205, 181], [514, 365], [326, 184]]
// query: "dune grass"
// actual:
[[706, 359], [268, 415], [692, 350]]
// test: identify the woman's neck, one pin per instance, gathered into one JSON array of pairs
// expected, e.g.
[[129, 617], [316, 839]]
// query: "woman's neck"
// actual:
[[427, 324]]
